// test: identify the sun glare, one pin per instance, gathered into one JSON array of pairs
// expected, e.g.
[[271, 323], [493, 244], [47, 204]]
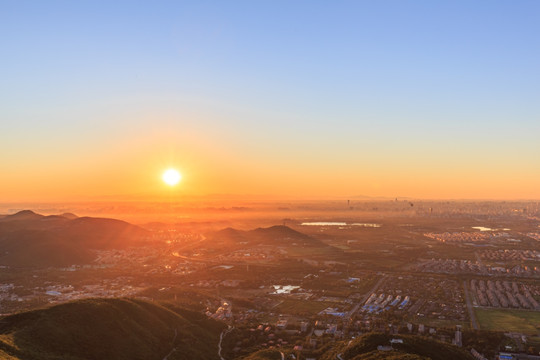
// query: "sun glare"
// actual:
[[171, 177]]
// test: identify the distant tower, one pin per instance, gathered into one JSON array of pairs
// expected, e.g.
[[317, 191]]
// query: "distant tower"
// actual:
[[348, 203]]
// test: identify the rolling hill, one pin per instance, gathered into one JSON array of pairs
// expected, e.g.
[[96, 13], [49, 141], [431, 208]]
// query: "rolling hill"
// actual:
[[278, 235], [28, 239], [231, 239], [95, 329]]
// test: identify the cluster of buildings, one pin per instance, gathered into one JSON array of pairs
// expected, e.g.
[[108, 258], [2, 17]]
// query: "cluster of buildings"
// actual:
[[503, 294], [453, 266], [260, 253], [509, 254], [429, 297], [464, 237], [128, 257], [376, 304], [223, 312], [534, 235]]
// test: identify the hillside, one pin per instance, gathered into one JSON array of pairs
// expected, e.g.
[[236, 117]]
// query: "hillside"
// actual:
[[281, 234], [39, 248], [413, 348], [108, 329], [28, 239], [101, 233]]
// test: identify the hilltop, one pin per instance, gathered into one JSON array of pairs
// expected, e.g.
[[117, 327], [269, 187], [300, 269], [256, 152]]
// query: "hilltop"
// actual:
[[23, 215], [95, 329]]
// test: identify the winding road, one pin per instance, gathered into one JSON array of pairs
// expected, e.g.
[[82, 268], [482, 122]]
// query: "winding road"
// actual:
[[174, 349], [221, 336]]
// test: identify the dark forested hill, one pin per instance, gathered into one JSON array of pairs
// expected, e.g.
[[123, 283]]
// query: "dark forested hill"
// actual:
[[28, 239], [96, 329]]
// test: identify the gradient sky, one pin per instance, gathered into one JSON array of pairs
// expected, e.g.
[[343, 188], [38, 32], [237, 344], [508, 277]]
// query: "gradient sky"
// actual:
[[424, 99]]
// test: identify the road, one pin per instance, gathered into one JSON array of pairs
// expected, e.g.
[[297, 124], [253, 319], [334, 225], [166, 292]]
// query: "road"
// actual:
[[174, 349], [169, 354], [221, 336], [474, 323]]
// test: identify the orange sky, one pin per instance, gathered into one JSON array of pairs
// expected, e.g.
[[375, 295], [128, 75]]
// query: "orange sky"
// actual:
[[133, 167]]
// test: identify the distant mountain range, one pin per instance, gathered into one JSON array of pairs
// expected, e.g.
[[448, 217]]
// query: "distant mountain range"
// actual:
[[28, 239], [96, 329]]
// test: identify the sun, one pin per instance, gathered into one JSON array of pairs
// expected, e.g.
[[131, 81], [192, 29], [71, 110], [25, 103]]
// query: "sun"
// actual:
[[171, 177]]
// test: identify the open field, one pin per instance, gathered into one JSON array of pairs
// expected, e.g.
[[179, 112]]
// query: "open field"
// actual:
[[509, 320], [442, 323], [303, 307]]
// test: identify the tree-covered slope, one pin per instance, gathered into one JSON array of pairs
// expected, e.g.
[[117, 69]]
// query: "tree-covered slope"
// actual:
[[108, 329]]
